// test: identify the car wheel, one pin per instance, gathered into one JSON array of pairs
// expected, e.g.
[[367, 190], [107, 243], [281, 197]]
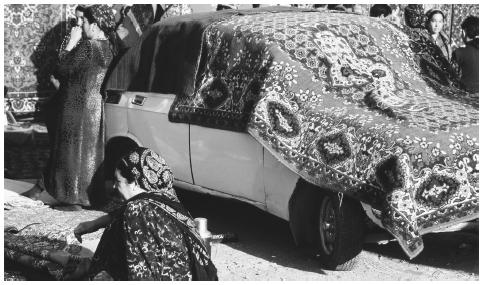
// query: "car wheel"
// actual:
[[341, 232]]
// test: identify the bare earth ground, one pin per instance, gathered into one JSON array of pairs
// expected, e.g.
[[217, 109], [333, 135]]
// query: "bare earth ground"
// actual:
[[266, 251]]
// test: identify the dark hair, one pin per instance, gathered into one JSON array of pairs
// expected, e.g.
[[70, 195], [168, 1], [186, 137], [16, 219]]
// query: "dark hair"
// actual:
[[414, 16], [380, 9], [430, 15], [105, 22], [80, 8], [124, 171], [470, 26], [433, 12]]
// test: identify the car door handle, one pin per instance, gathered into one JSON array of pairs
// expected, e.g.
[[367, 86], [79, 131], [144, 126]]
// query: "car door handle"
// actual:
[[138, 100]]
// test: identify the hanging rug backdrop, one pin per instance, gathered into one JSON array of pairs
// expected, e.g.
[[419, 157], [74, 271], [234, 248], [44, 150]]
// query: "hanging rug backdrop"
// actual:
[[350, 103]]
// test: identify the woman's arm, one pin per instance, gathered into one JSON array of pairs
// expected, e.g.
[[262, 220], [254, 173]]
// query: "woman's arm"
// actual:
[[76, 60], [91, 226], [75, 37]]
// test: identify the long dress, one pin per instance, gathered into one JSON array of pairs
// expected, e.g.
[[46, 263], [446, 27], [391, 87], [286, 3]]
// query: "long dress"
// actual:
[[152, 236], [78, 150]]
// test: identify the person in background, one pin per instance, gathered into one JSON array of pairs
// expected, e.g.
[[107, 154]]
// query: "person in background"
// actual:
[[435, 20], [380, 10], [133, 20], [385, 11], [395, 17], [465, 59]]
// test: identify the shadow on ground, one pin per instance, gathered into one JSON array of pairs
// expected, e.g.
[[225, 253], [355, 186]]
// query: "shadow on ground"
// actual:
[[260, 234], [452, 251], [268, 237]]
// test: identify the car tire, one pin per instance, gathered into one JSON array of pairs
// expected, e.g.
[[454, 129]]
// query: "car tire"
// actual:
[[340, 232]]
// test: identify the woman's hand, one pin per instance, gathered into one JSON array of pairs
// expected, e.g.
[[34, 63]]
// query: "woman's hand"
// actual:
[[75, 37], [76, 34], [91, 226], [55, 82], [122, 32], [84, 228]]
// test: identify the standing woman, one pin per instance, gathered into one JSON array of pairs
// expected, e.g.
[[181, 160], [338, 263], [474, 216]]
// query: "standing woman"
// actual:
[[52, 106], [76, 172], [434, 24]]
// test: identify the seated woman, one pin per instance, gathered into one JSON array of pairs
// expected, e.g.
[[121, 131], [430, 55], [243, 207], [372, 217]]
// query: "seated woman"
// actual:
[[151, 237]]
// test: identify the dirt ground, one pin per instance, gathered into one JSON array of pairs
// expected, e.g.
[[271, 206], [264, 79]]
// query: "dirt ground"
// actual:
[[266, 251]]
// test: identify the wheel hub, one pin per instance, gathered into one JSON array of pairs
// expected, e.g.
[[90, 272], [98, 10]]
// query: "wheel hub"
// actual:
[[327, 226]]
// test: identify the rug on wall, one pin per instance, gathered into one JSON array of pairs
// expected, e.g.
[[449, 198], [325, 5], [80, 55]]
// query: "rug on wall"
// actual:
[[33, 34]]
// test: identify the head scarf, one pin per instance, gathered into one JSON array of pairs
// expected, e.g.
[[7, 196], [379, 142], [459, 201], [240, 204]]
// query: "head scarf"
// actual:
[[150, 171], [414, 16], [104, 17]]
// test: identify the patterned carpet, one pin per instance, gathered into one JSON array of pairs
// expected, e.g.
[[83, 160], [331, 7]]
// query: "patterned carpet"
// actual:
[[31, 228]]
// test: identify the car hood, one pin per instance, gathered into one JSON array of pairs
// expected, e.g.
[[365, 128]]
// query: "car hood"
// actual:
[[352, 104]]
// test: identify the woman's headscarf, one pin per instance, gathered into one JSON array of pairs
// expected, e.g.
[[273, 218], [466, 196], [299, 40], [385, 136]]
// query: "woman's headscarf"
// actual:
[[150, 171], [414, 16], [104, 16]]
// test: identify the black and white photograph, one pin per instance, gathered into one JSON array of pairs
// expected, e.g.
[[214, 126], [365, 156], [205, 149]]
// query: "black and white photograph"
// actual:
[[241, 142]]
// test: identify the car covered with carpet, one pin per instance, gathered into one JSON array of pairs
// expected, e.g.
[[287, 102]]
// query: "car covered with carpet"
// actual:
[[324, 119]]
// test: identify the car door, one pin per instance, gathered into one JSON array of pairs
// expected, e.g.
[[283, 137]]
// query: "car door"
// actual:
[[148, 122], [227, 162]]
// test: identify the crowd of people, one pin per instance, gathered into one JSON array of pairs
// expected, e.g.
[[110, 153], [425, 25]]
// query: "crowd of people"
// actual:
[[464, 60], [168, 244]]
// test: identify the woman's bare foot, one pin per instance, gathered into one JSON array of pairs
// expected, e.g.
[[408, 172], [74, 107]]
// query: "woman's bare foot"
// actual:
[[33, 193], [68, 208]]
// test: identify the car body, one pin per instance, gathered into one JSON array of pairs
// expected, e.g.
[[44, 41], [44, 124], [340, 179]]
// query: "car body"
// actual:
[[148, 87]]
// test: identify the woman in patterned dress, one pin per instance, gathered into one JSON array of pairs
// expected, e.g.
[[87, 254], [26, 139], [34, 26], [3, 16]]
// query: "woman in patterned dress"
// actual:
[[75, 177], [152, 236]]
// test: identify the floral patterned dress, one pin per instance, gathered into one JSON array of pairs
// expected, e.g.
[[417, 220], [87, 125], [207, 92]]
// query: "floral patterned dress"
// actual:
[[78, 148], [152, 237]]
